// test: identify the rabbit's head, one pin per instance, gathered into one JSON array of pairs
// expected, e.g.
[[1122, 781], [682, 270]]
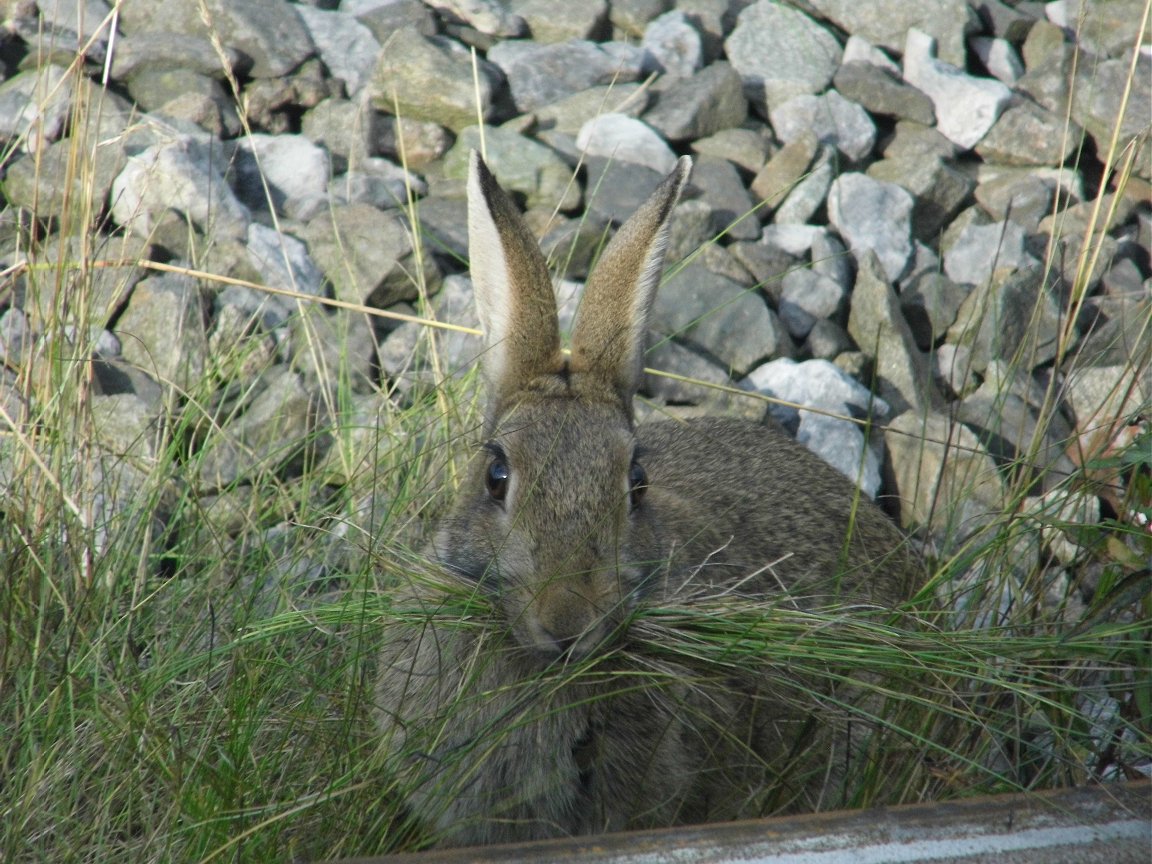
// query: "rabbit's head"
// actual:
[[553, 517]]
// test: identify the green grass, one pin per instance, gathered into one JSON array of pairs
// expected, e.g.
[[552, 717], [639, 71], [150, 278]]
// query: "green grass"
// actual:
[[188, 678]]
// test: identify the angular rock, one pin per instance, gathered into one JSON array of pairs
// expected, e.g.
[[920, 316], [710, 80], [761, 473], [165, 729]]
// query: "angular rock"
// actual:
[[733, 210], [978, 250], [966, 107], [701, 105], [952, 370], [930, 303], [808, 297], [1097, 95], [488, 16], [368, 257], [818, 384], [776, 180], [999, 58], [541, 74], [333, 345], [346, 46], [184, 174], [25, 113], [881, 92], [873, 216], [835, 121], [283, 261], [287, 173], [878, 327], [809, 194], [156, 50], [1027, 134], [672, 45], [747, 149], [520, 164], [1015, 319], [944, 479], [616, 188], [717, 315], [430, 79], [617, 136], [267, 31], [162, 331], [569, 114], [939, 190], [885, 22], [780, 52], [559, 20]]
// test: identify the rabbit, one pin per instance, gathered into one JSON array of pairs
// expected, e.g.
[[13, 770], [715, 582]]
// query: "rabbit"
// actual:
[[570, 518]]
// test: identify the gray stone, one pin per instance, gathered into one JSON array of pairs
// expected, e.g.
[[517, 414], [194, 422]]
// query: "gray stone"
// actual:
[[569, 114], [267, 31], [430, 79], [930, 303], [491, 17], [377, 182], [939, 190], [444, 227], [881, 92], [878, 327], [1106, 27], [1010, 432], [409, 346], [416, 143], [1014, 318], [885, 22], [560, 20], [667, 355], [626, 139], [944, 479], [952, 370], [1097, 96], [368, 257], [283, 260], [733, 211], [286, 173], [616, 188], [717, 315], [541, 74], [819, 385], [333, 345], [793, 239], [386, 17], [632, 16], [1100, 395], [767, 263], [779, 176], [520, 164], [780, 52], [835, 121], [269, 433], [966, 107], [747, 149], [873, 216], [571, 245], [188, 96], [347, 130], [162, 331], [26, 113], [183, 174], [1021, 197], [826, 340], [43, 185], [999, 58], [1027, 134], [157, 50], [1048, 61], [1004, 21], [671, 45], [857, 49], [807, 297], [700, 105], [831, 259], [809, 194], [978, 250], [915, 141], [346, 46], [16, 338]]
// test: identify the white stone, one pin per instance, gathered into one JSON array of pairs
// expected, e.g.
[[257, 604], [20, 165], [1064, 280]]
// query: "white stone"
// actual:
[[624, 138]]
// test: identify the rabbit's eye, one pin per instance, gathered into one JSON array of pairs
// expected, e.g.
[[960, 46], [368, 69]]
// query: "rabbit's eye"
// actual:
[[637, 483], [497, 479]]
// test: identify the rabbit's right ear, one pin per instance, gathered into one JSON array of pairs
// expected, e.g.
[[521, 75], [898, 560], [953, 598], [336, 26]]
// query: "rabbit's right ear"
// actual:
[[513, 289]]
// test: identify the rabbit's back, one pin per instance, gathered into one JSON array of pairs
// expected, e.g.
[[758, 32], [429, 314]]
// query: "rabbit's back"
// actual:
[[748, 495]]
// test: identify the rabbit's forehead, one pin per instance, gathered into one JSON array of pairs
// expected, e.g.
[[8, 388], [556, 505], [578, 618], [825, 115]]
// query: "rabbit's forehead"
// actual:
[[554, 433]]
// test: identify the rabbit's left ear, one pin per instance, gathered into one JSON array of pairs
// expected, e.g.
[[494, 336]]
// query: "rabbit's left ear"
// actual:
[[513, 289], [608, 339]]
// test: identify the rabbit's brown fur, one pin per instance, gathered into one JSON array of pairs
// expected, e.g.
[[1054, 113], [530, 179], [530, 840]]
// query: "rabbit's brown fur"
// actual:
[[569, 519]]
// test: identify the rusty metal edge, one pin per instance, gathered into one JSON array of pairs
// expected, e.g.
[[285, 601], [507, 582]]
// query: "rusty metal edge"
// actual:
[[1052, 826]]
